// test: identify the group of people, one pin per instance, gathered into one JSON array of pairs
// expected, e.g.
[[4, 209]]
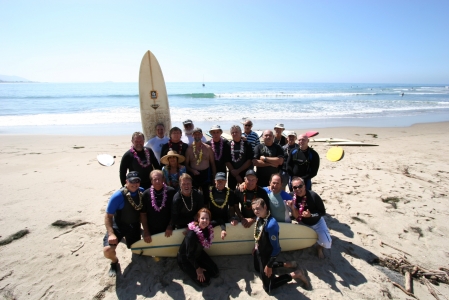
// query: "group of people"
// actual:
[[184, 181]]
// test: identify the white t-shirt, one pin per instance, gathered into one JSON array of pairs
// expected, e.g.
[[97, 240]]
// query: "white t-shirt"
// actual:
[[155, 144]]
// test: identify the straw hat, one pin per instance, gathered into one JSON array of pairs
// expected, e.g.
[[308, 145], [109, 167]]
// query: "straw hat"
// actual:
[[164, 159]]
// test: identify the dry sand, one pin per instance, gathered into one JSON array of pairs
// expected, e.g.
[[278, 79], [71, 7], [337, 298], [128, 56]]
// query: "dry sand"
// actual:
[[49, 178]]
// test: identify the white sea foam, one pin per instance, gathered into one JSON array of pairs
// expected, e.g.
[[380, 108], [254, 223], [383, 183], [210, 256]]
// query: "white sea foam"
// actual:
[[288, 95]]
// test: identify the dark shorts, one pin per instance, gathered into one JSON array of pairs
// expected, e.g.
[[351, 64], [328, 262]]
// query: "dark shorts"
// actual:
[[131, 233]]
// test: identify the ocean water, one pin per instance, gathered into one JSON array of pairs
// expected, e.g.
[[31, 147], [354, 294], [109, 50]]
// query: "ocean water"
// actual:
[[113, 108]]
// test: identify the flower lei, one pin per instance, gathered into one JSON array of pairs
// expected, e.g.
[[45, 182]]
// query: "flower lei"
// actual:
[[211, 196], [242, 150], [153, 198], [248, 204], [301, 206], [198, 159], [258, 228], [131, 201], [199, 233], [170, 145], [212, 143], [147, 155]]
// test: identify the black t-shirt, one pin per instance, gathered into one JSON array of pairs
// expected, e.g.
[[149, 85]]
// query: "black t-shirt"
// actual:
[[158, 221], [264, 173], [221, 215], [245, 156], [314, 204], [180, 148], [281, 142], [245, 198]]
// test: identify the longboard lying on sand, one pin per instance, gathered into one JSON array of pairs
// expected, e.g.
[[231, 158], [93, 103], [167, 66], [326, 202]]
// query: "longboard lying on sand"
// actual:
[[309, 134], [330, 140], [350, 143], [239, 240], [105, 159], [335, 153], [154, 106]]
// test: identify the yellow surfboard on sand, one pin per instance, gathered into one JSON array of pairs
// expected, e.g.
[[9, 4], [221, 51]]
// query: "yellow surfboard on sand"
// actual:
[[335, 154]]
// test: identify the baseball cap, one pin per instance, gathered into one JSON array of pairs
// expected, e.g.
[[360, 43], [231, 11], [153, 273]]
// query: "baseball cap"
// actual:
[[133, 177], [220, 176], [250, 172]]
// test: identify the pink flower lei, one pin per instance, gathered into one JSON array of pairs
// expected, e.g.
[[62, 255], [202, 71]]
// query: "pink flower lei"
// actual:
[[301, 206], [241, 151], [153, 198], [205, 242], [147, 155], [213, 148]]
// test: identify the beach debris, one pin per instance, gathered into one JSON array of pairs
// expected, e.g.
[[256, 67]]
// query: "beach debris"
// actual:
[[392, 201], [402, 289], [418, 231], [6, 275], [385, 244], [76, 249], [78, 147], [373, 134], [62, 224], [359, 220], [432, 290], [19, 234]]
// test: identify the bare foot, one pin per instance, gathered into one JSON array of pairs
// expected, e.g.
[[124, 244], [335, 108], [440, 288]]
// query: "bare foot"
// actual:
[[320, 252], [299, 274], [290, 264]]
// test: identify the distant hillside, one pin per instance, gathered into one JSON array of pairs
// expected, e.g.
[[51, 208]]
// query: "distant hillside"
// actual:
[[12, 78]]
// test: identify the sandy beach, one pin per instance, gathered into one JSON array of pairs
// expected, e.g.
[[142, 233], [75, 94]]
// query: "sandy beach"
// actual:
[[46, 178]]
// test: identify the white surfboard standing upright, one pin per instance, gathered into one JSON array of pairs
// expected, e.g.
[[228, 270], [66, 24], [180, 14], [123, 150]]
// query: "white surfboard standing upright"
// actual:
[[153, 98]]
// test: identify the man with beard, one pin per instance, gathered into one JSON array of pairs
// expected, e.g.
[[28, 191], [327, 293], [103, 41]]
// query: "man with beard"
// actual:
[[220, 147], [303, 162], [241, 154], [138, 159], [157, 205], [278, 198], [291, 145], [268, 156], [247, 192], [200, 162], [156, 143], [186, 203], [122, 219], [174, 143], [188, 131], [308, 209]]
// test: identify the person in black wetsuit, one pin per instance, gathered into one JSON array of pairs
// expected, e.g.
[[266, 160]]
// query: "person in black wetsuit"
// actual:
[[192, 258], [157, 205], [303, 162], [122, 218], [240, 160], [267, 248], [244, 194], [220, 147], [139, 159], [220, 199], [186, 203]]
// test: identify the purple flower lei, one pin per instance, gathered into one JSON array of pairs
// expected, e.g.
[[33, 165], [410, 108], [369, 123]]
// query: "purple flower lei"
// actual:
[[221, 148], [241, 151], [153, 198], [147, 155], [205, 242], [301, 206]]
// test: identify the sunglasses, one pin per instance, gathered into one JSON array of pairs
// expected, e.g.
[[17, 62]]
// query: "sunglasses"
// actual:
[[248, 125], [134, 181], [298, 186]]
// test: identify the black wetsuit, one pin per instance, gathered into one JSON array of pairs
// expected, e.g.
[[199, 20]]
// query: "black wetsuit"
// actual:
[[304, 164], [245, 207], [183, 214], [281, 142], [158, 221], [314, 204], [220, 165], [246, 155], [180, 148], [191, 256], [129, 163], [220, 216]]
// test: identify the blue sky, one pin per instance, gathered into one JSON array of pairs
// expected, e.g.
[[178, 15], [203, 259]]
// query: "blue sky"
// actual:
[[266, 41]]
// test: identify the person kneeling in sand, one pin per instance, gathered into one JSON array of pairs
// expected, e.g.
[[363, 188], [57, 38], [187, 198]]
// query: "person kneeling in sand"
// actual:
[[308, 209], [122, 219], [192, 258], [266, 235]]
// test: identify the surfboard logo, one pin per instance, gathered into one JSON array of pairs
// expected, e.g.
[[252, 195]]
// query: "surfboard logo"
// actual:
[[273, 237], [155, 106], [153, 95]]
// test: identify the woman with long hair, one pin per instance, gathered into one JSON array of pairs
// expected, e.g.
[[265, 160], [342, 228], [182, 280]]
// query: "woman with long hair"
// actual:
[[173, 168]]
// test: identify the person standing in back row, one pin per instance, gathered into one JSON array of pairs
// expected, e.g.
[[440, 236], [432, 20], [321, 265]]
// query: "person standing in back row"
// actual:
[[248, 135], [303, 162], [268, 157]]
